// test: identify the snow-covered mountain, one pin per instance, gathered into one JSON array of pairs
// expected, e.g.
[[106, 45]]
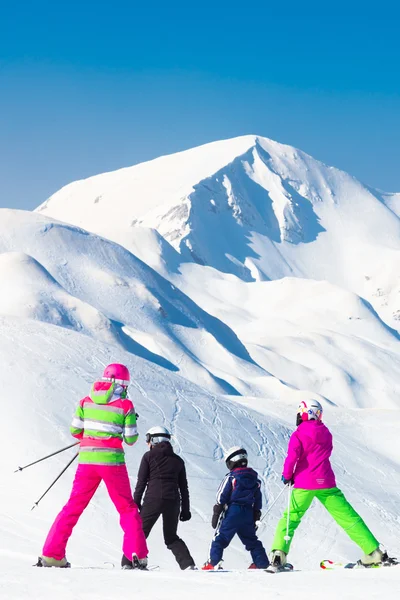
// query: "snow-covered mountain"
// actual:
[[234, 279], [254, 208], [249, 338], [225, 220]]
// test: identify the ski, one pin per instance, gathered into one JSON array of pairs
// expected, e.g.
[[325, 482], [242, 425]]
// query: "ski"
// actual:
[[271, 570], [287, 568], [330, 565], [112, 566], [216, 570], [107, 566]]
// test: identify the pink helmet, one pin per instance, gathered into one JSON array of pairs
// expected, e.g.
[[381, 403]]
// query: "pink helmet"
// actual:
[[118, 373]]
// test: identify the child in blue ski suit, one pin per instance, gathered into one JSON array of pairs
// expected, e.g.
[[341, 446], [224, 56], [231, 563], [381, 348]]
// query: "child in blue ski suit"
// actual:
[[238, 507]]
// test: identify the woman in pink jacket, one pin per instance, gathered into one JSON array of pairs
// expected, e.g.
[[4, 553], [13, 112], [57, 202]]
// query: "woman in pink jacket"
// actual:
[[308, 468], [102, 422]]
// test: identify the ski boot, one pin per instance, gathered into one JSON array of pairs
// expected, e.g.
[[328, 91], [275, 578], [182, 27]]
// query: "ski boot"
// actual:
[[208, 566], [126, 564], [377, 558], [279, 562], [254, 566], [47, 561], [135, 563], [139, 563]]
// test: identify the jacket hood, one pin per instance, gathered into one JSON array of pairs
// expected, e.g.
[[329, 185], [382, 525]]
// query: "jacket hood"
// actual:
[[244, 470], [315, 430], [103, 392], [246, 475]]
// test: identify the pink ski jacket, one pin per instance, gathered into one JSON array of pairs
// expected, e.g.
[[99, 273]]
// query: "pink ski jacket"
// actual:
[[307, 460]]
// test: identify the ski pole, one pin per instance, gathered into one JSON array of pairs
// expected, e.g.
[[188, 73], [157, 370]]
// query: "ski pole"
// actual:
[[56, 479], [273, 504], [287, 536], [44, 458]]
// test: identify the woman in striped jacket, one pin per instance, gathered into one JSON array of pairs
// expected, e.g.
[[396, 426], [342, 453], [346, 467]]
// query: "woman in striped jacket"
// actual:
[[102, 421]]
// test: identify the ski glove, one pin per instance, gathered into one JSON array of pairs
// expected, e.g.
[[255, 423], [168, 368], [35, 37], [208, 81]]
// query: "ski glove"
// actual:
[[286, 481], [217, 510], [185, 515], [256, 515]]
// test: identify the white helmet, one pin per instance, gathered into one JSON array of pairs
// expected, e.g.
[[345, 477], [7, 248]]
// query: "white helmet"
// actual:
[[236, 457], [158, 434], [309, 411]]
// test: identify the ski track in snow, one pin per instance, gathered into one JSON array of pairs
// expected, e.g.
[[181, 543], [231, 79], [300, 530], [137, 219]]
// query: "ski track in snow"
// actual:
[[174, 419]]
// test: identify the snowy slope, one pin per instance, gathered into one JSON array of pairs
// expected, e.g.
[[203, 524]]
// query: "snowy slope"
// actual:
[[75, 279], [249, 338], [55, 367], [308, 334], [106, 585]]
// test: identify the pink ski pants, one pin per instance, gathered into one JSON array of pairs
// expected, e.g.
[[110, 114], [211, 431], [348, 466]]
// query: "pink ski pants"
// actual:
[[86, 482]]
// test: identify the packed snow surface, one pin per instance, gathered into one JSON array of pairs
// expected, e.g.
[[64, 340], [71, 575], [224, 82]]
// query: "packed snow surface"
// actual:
[[234, 280]]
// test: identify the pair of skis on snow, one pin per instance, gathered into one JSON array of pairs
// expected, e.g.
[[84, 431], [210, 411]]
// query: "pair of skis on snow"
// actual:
[[327, 565], [330, 565], [288, 568]]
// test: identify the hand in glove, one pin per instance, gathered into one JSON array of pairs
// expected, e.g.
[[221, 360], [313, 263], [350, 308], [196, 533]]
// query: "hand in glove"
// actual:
[[288, 481], [185, 515], [256, 515], [217, 510]]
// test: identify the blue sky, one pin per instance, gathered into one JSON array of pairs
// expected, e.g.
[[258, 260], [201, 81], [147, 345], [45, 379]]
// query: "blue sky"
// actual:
[[87, 87]]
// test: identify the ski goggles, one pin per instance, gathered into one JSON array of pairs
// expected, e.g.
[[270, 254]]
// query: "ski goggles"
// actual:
[[123, 382], [150, 436]]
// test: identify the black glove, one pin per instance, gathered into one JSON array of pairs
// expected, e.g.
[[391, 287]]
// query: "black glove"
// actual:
[[185, 515], [217, 510], [256, 515], [286, 481]]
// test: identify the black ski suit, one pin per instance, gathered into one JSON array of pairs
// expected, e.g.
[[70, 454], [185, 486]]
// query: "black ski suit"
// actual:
[[163, 473]]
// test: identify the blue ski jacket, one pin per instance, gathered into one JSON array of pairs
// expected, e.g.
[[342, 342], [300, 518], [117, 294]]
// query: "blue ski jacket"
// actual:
[[241, 486]]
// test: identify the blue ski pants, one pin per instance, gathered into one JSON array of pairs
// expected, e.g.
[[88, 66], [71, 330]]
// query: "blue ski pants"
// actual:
[[238, 520]]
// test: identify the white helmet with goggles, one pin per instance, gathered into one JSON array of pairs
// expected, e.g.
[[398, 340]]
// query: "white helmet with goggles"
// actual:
[[157, 434]]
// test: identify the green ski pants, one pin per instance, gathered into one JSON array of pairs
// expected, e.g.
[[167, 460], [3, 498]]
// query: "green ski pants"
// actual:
[[337, 505]]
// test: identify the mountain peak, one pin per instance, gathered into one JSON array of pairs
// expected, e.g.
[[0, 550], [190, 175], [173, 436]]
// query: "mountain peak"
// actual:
[[159, 193], [247, 206]]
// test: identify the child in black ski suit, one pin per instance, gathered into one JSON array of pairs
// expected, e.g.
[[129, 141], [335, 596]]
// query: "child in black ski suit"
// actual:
[[238, 507], [163, 473]]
